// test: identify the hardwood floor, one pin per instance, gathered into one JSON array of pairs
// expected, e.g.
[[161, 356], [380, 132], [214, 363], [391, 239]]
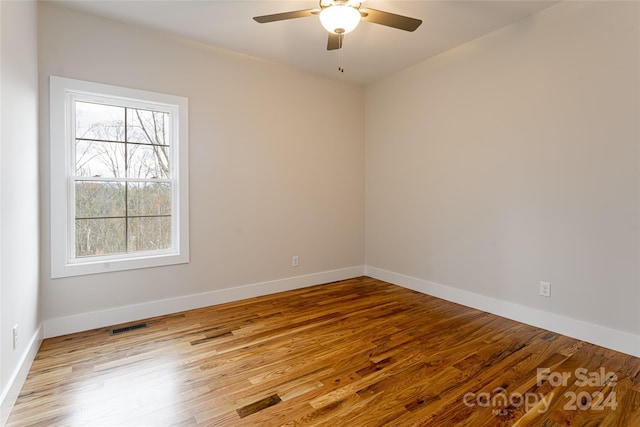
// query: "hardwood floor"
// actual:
[[355, 353]]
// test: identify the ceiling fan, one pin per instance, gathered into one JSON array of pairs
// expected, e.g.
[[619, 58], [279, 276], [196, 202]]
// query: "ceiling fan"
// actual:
[[340, 17]]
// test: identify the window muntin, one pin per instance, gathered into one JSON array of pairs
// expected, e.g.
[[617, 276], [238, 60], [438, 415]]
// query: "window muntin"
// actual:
[[119, 178]]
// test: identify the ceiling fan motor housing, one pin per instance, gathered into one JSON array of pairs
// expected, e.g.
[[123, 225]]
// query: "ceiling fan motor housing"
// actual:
[[326, 3]]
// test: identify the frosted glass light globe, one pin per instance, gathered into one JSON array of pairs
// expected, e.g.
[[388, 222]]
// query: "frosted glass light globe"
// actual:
[[339, 19]]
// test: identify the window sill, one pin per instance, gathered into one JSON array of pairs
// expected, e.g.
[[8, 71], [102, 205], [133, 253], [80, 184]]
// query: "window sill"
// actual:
[[111, 265]]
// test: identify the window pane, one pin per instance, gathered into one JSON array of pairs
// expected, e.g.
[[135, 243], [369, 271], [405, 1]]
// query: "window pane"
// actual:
[[148, 234], [103, 159], [99, 199], [100, 237], [147, 127], [148, 161], [101, 122], [150, 198]]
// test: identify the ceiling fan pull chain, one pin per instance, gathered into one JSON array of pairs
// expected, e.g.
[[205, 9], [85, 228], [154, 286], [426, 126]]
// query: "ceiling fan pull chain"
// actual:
[[340, 53]]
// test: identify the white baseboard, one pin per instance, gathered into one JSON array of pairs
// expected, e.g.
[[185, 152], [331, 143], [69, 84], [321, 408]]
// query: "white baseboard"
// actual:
[[611, 338], [99, 319], [614, 339], [11, 392]]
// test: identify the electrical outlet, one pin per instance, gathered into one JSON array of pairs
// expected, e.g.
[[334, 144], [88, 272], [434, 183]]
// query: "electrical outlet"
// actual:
[[15, 336], [294, 261], [545, 289]]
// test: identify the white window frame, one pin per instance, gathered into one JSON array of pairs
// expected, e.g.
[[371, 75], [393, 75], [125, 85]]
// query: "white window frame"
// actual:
[[63, 94]]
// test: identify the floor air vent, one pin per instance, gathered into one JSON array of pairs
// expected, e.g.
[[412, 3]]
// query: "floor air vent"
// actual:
[[128, 328]]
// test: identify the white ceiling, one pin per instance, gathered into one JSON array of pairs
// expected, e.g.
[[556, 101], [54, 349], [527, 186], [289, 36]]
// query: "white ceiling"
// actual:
[[371, 51]]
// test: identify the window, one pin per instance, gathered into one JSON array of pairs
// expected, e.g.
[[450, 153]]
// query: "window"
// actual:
[[119, 181]]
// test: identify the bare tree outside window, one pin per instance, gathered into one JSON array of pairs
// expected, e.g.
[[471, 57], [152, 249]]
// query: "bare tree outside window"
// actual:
[[123, 193]]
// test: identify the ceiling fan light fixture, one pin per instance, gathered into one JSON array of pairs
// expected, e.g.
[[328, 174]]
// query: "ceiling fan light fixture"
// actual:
[[339, 18]]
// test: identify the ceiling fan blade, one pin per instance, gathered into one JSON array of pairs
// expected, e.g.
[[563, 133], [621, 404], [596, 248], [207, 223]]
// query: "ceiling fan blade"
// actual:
[[390, 19], [334, 42], [285, 15]]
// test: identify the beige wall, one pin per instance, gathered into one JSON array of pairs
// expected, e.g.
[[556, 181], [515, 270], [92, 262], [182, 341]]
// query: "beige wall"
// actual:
[[19, 252], [276, 168], [510, 160], [513, 159]]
